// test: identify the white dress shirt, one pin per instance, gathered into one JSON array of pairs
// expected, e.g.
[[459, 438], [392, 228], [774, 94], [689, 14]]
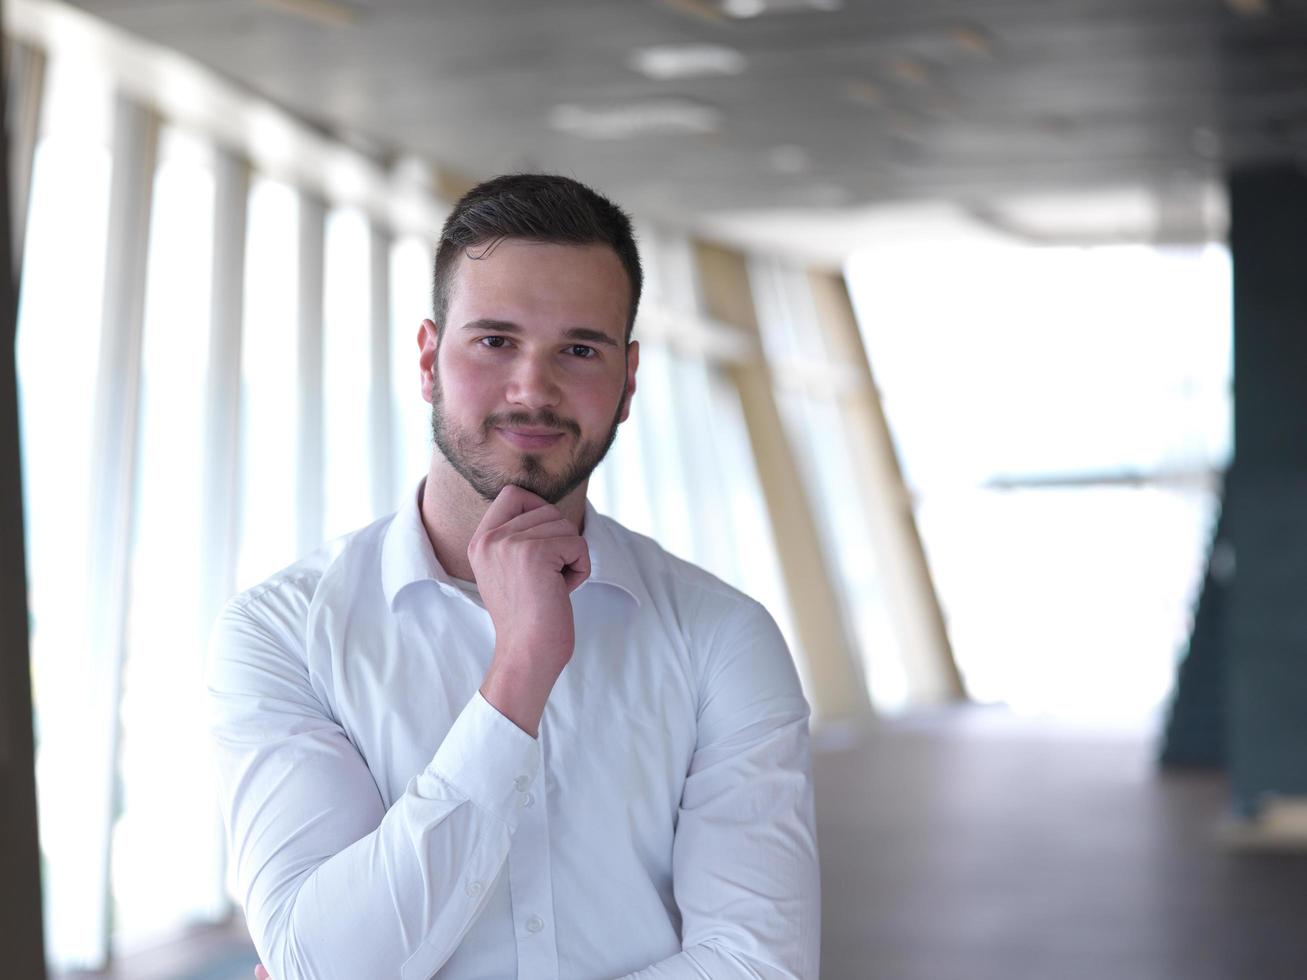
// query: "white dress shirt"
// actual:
[[384, 820]]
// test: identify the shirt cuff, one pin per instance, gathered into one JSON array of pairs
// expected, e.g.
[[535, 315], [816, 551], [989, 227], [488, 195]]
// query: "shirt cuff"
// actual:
[[487, 757]]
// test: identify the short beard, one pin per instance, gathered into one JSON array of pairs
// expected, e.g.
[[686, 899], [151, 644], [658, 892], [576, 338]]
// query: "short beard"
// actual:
[[472, 459]]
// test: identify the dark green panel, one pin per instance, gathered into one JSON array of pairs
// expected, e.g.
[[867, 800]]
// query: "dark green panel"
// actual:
[[1268, 241], [1266, 491], [1267, 636], [1195, 734]]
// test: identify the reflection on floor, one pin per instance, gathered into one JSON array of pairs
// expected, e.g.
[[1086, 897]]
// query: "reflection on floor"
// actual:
[[972, 846], [203, 953], [967, 845]]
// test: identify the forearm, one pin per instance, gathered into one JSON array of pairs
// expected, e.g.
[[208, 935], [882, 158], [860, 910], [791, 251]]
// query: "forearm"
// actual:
[[404, 894], [518, 687], [707, 961], [332, 885], [744, 859]]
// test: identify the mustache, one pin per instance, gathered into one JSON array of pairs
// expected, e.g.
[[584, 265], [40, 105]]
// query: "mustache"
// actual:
[[543, 419]]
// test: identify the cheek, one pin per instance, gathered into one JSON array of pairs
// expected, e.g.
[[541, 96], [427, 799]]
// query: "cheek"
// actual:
[[465, 388], [599, 402]]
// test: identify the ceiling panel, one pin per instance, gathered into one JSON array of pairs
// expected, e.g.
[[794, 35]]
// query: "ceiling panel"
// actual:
[[881, 100]]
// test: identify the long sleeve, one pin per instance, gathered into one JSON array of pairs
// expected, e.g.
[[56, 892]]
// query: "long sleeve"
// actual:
[[333, 884], [744, 862]]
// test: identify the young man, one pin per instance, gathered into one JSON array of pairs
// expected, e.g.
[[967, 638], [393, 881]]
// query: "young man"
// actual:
[[496, 734]]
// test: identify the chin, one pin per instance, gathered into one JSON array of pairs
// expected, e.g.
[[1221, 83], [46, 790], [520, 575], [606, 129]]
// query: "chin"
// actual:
[[546, 491], [551, 487]]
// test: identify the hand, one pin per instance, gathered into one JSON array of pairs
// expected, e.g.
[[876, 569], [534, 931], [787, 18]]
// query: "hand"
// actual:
[[527, 558], [260, 973]]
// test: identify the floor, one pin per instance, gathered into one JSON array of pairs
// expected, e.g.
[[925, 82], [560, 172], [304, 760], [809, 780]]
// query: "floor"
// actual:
[[970, 845], [973, 845]]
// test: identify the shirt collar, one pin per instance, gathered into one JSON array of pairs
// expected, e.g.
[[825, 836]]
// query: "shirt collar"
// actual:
[[407, 555], [406, 552], [610, 557]]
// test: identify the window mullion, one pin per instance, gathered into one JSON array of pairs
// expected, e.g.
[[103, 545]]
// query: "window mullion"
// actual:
[[112, 489], [380, 422], [310, 497], [25, 90], [221, 507]]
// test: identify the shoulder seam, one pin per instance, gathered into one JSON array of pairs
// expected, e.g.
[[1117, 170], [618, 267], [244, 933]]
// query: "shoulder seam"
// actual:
[[249, 596], [679, 567]]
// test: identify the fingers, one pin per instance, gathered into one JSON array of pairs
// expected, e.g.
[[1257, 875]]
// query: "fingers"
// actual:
[[511, 501], [260, 973], [520, 515], [567, 551], [541, 522], [559, 528], [545, 514]]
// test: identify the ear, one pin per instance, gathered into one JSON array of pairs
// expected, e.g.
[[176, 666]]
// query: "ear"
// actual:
[[428, 347], [632, 362]]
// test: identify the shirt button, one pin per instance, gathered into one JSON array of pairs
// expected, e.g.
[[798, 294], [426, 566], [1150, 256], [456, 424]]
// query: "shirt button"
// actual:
[[526, 800], [521, 783], [474, 888], [535, 924]]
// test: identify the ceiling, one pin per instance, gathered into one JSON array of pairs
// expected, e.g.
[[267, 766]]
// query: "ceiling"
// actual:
[[821, 110]]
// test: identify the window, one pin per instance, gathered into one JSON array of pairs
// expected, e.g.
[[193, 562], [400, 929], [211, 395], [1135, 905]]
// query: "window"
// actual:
[[270, 395], [162, 710], [807, 384], [57, 350], [347, 354], [410, 304], [1063, 416]]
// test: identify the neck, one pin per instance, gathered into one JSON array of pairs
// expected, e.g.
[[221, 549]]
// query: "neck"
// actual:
[[452, 512]]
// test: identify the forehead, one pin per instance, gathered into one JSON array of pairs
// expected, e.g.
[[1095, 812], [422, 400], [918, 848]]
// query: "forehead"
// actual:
[[517, 279]]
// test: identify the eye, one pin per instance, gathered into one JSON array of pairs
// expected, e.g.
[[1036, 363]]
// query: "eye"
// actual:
[[495, 343], [583, 351]]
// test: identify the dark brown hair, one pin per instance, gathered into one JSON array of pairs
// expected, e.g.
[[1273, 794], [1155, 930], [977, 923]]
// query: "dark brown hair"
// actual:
[[537, 207]]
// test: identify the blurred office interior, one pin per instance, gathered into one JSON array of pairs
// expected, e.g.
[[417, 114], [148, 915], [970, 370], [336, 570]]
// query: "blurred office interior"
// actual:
[[973, 345]]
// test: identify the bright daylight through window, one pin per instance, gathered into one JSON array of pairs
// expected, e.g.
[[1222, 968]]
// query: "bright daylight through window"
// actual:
[[1063, 417]]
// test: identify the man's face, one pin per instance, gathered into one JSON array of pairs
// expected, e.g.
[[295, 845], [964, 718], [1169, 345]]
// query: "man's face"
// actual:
[[531, 375]]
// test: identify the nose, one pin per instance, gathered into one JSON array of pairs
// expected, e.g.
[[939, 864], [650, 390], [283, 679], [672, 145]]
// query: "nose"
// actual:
[[532, 384]]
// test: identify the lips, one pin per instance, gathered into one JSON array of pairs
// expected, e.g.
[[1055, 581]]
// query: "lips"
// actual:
[[529, 438]]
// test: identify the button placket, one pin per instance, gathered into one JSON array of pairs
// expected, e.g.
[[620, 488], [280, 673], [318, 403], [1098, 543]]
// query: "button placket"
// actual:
[[530, 884]]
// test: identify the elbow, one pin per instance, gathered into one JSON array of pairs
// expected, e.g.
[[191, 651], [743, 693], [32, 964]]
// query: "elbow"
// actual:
[[721, 958], [273, 925]]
